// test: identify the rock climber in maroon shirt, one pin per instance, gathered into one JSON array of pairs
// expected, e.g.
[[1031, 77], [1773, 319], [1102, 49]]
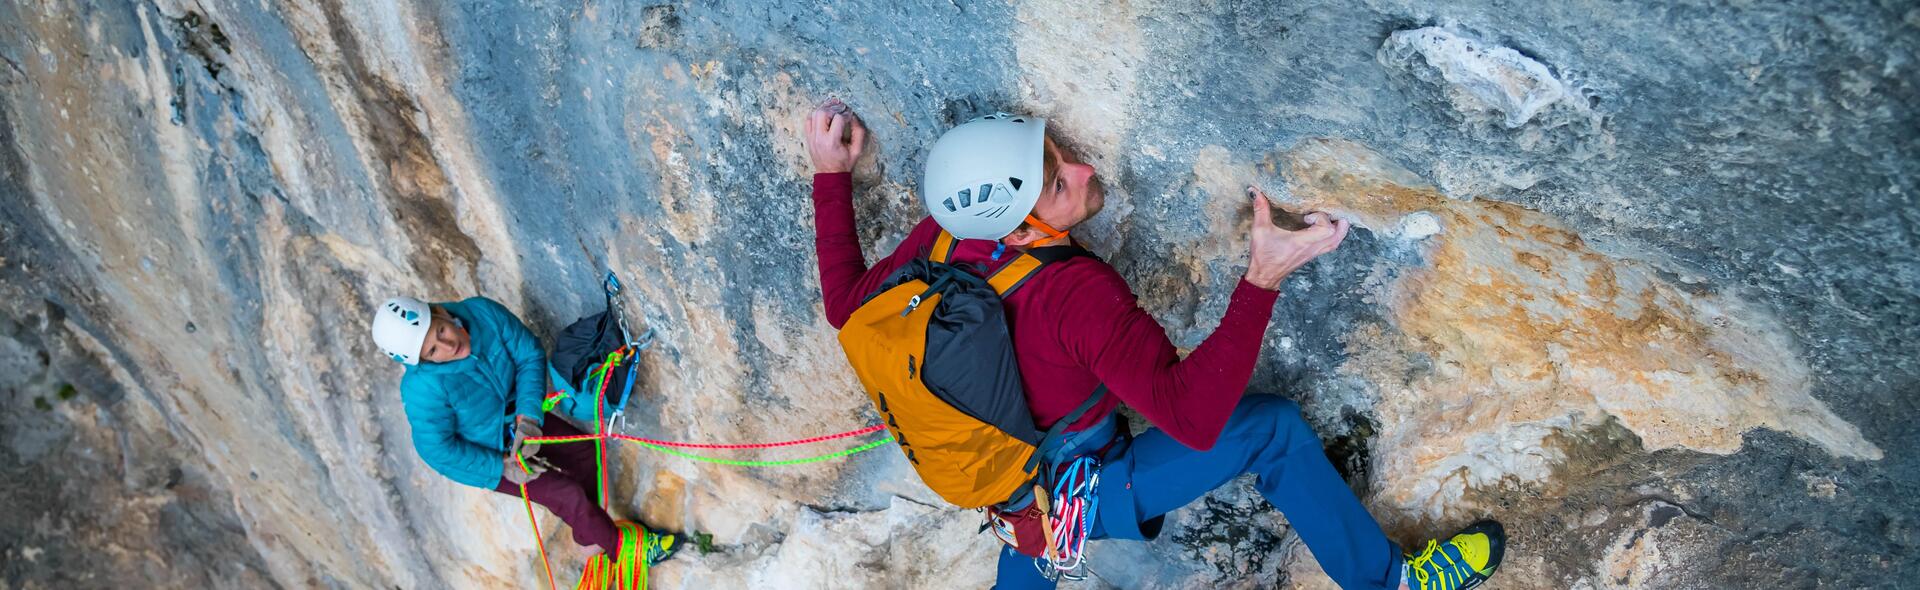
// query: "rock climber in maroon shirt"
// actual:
[[1076, 325]]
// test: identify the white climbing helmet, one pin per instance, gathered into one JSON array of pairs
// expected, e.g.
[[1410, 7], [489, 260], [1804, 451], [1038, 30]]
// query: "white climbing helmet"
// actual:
[[983, 177], [400, 327]]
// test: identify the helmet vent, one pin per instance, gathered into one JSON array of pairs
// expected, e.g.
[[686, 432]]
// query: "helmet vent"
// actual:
[[1019, 120], [979, 197], [1015, 182]]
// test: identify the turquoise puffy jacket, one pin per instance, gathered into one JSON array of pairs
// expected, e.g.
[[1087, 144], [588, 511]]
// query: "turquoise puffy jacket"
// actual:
[[458, 410]]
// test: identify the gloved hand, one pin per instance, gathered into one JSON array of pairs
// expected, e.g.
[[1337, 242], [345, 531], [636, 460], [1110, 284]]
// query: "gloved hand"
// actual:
[[510, 469], [523, 429]]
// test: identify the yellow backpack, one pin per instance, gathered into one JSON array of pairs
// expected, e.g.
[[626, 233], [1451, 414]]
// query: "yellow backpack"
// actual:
[[932, 348]]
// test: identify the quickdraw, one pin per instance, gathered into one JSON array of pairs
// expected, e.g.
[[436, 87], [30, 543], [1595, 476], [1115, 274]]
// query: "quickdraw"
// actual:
[[1069, 520]]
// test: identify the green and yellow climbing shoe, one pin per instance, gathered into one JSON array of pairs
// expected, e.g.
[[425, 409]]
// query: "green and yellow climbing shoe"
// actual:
[[1462, 562], [660, 546]]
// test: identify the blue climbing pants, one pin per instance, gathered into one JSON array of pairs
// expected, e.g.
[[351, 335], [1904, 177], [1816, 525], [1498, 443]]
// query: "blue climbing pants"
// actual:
[[1266, 437]]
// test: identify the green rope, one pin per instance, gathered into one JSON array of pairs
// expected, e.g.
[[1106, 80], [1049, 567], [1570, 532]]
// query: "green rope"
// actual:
[[605, 372], [559, 440], [740, 463], [834, 455]]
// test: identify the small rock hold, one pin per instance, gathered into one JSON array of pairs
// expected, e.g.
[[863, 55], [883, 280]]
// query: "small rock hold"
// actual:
[[192, 328], [1417, 226], [1824, 487], [659, 27]]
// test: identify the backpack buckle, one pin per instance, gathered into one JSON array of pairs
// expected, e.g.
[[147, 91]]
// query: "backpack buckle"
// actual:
[[937, 286]]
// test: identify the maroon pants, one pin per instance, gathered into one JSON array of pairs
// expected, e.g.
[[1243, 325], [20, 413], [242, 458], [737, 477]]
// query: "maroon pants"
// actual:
[[571, 490]]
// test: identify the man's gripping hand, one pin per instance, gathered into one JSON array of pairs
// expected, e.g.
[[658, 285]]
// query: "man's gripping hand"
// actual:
[[1277, 252], [834, 137]]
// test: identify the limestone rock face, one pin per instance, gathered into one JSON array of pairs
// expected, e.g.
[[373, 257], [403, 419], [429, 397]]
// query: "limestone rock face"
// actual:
[[1638, 280]]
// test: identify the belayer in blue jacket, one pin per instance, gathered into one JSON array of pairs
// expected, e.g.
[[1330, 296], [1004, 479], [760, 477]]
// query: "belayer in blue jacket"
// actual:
[[472, 391]]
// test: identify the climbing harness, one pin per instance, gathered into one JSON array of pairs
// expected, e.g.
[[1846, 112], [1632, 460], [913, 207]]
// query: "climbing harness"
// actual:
[[603, 572]]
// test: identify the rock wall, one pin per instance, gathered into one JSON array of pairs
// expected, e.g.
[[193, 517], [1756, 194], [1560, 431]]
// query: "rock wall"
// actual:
[[1638, 279]]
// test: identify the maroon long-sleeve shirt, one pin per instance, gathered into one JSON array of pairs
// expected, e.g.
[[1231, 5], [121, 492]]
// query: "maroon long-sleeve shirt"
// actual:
[[1075, 326]]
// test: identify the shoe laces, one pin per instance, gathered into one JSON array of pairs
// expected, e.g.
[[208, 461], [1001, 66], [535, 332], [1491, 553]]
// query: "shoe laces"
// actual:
[[1452, 573]]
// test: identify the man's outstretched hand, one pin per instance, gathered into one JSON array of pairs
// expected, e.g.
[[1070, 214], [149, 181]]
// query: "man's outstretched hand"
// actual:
[[1278, 252], [834, 137]]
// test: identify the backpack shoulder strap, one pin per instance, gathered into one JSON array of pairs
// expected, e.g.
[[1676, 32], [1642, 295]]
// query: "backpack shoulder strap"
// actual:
[[1051, 439], [1016, 273], [942, 247]]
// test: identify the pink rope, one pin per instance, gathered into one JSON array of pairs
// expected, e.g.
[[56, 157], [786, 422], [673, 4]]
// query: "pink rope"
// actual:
[[686, 445], [789, 443]]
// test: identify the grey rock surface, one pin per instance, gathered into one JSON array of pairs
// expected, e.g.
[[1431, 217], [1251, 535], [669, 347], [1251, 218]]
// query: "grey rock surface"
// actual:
[[1638, 279]]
